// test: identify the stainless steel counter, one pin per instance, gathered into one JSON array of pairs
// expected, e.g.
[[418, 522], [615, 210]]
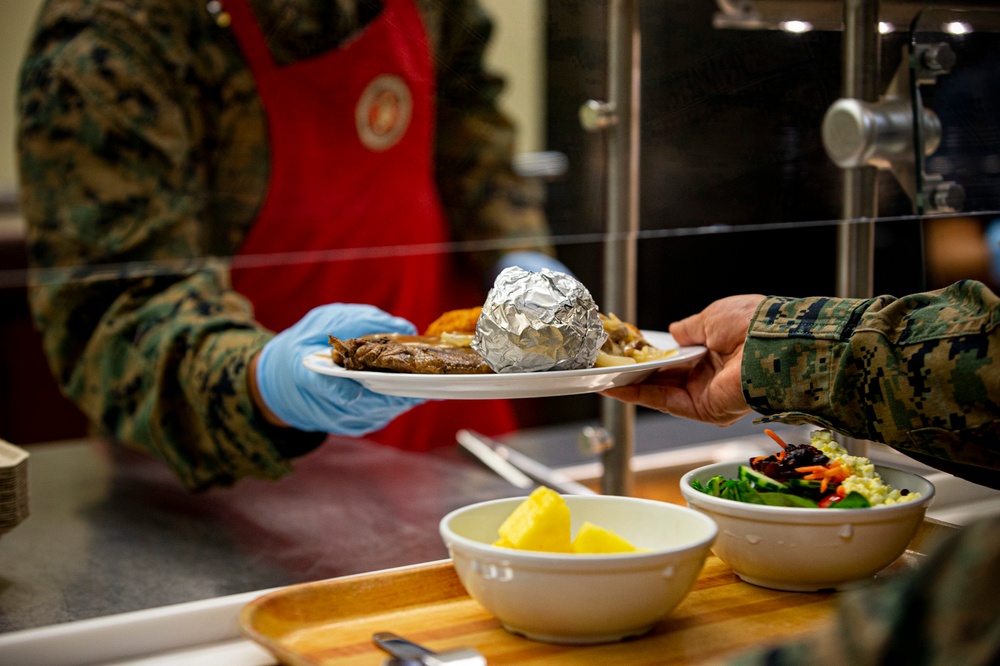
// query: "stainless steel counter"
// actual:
[[113, 532]]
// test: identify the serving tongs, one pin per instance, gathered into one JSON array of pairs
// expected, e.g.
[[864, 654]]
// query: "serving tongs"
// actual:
[[518, 469], [407, 653]]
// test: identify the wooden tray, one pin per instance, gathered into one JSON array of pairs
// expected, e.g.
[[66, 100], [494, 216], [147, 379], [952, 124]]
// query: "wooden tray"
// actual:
[[332, 621]]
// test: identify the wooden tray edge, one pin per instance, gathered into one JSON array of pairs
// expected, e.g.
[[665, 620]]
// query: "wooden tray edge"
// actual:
[[398, 588]]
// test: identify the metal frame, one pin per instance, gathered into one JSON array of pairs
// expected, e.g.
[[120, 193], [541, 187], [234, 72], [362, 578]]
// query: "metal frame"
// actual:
[[621, 252], [859, 202], [618, 117]]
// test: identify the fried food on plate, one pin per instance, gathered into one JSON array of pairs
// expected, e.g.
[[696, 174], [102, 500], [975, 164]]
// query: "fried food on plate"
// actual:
[[427, 355], [626, 345], [455, 321], [443, 349]]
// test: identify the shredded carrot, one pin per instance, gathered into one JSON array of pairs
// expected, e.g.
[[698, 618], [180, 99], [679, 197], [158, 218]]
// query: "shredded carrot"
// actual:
[[842, 491], [773, 435], [780, 455], [824, 474], [757, 459]]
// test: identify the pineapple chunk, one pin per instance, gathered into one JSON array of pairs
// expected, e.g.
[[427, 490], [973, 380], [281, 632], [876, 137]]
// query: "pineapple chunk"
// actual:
[[503, 543], [540, 522], [592, 539]]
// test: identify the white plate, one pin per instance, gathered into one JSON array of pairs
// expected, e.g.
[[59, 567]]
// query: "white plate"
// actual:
[[514, 384]]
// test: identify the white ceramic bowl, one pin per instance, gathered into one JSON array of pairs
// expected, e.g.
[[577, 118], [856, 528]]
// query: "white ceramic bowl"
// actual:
[[806, 550], [582, 599]]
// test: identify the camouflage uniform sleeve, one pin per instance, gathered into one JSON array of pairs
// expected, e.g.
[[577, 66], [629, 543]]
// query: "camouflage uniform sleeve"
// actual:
[[919, 373], [483, 199], [140, 330], [945, 611]]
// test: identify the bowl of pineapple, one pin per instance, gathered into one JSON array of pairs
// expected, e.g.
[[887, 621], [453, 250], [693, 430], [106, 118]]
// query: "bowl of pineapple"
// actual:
[[577, 569]]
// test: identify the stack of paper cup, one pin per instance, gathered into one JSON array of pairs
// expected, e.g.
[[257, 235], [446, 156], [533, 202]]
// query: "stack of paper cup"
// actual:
[[13, 486]]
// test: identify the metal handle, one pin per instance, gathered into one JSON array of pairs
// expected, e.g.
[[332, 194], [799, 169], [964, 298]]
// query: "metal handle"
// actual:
[[407, 653], [404, 651], [858, 133], [543, 474], [474, 444]]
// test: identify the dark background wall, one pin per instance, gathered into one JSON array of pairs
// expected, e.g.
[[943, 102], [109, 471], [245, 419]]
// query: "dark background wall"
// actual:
[[731, 135]]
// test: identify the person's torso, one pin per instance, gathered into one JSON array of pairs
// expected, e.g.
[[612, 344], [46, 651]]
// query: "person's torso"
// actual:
[[232, 132], [351, 212]]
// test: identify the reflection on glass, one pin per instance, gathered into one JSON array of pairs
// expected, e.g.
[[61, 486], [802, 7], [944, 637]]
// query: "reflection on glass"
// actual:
[[737, 192], [959, 78]]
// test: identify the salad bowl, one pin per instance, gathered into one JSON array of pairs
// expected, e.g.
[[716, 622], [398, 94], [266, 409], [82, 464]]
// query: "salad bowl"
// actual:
[[809, 549]]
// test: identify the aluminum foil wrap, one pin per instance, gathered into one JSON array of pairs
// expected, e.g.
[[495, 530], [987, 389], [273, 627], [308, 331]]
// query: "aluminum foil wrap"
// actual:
[[538, 321]]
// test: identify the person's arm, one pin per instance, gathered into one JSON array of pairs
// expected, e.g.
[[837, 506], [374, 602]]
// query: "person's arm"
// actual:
[[919, 373], [141, 330], [483, 199]]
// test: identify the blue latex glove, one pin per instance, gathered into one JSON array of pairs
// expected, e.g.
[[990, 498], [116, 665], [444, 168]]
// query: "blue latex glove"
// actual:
[[309, 401], [529, 261]]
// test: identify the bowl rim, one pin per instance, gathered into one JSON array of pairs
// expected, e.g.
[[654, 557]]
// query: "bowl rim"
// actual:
[[449, 536], [801, 514]]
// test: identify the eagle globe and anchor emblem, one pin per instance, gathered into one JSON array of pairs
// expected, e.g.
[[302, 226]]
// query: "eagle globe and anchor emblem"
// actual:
[[383, 112]]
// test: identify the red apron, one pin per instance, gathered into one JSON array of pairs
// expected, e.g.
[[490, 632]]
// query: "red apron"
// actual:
[[351, 140]]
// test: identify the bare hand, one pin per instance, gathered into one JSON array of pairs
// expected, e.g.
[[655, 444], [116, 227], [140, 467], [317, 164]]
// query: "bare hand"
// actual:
[[711, 390]]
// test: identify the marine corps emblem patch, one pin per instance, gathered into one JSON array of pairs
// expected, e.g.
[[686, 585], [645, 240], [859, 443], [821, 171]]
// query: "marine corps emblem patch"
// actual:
[[383, 112]]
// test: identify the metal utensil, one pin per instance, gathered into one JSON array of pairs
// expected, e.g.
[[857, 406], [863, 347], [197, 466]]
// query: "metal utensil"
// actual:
[[543, 474], [473, 443], [407, 653]]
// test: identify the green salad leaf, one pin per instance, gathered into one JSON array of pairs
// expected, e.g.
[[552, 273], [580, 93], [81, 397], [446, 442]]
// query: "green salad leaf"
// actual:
[[787, 499], [742, 490]]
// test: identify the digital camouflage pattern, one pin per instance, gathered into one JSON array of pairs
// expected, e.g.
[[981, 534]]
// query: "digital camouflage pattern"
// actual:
[[143, 162], [919, 373], [944, 612]]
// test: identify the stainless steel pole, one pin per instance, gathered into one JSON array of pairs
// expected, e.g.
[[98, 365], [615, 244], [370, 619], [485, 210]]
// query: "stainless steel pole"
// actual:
[[856, 233], [620, 253]]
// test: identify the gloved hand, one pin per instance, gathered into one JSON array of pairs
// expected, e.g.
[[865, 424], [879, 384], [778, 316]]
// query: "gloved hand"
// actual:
[[309, 401]]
